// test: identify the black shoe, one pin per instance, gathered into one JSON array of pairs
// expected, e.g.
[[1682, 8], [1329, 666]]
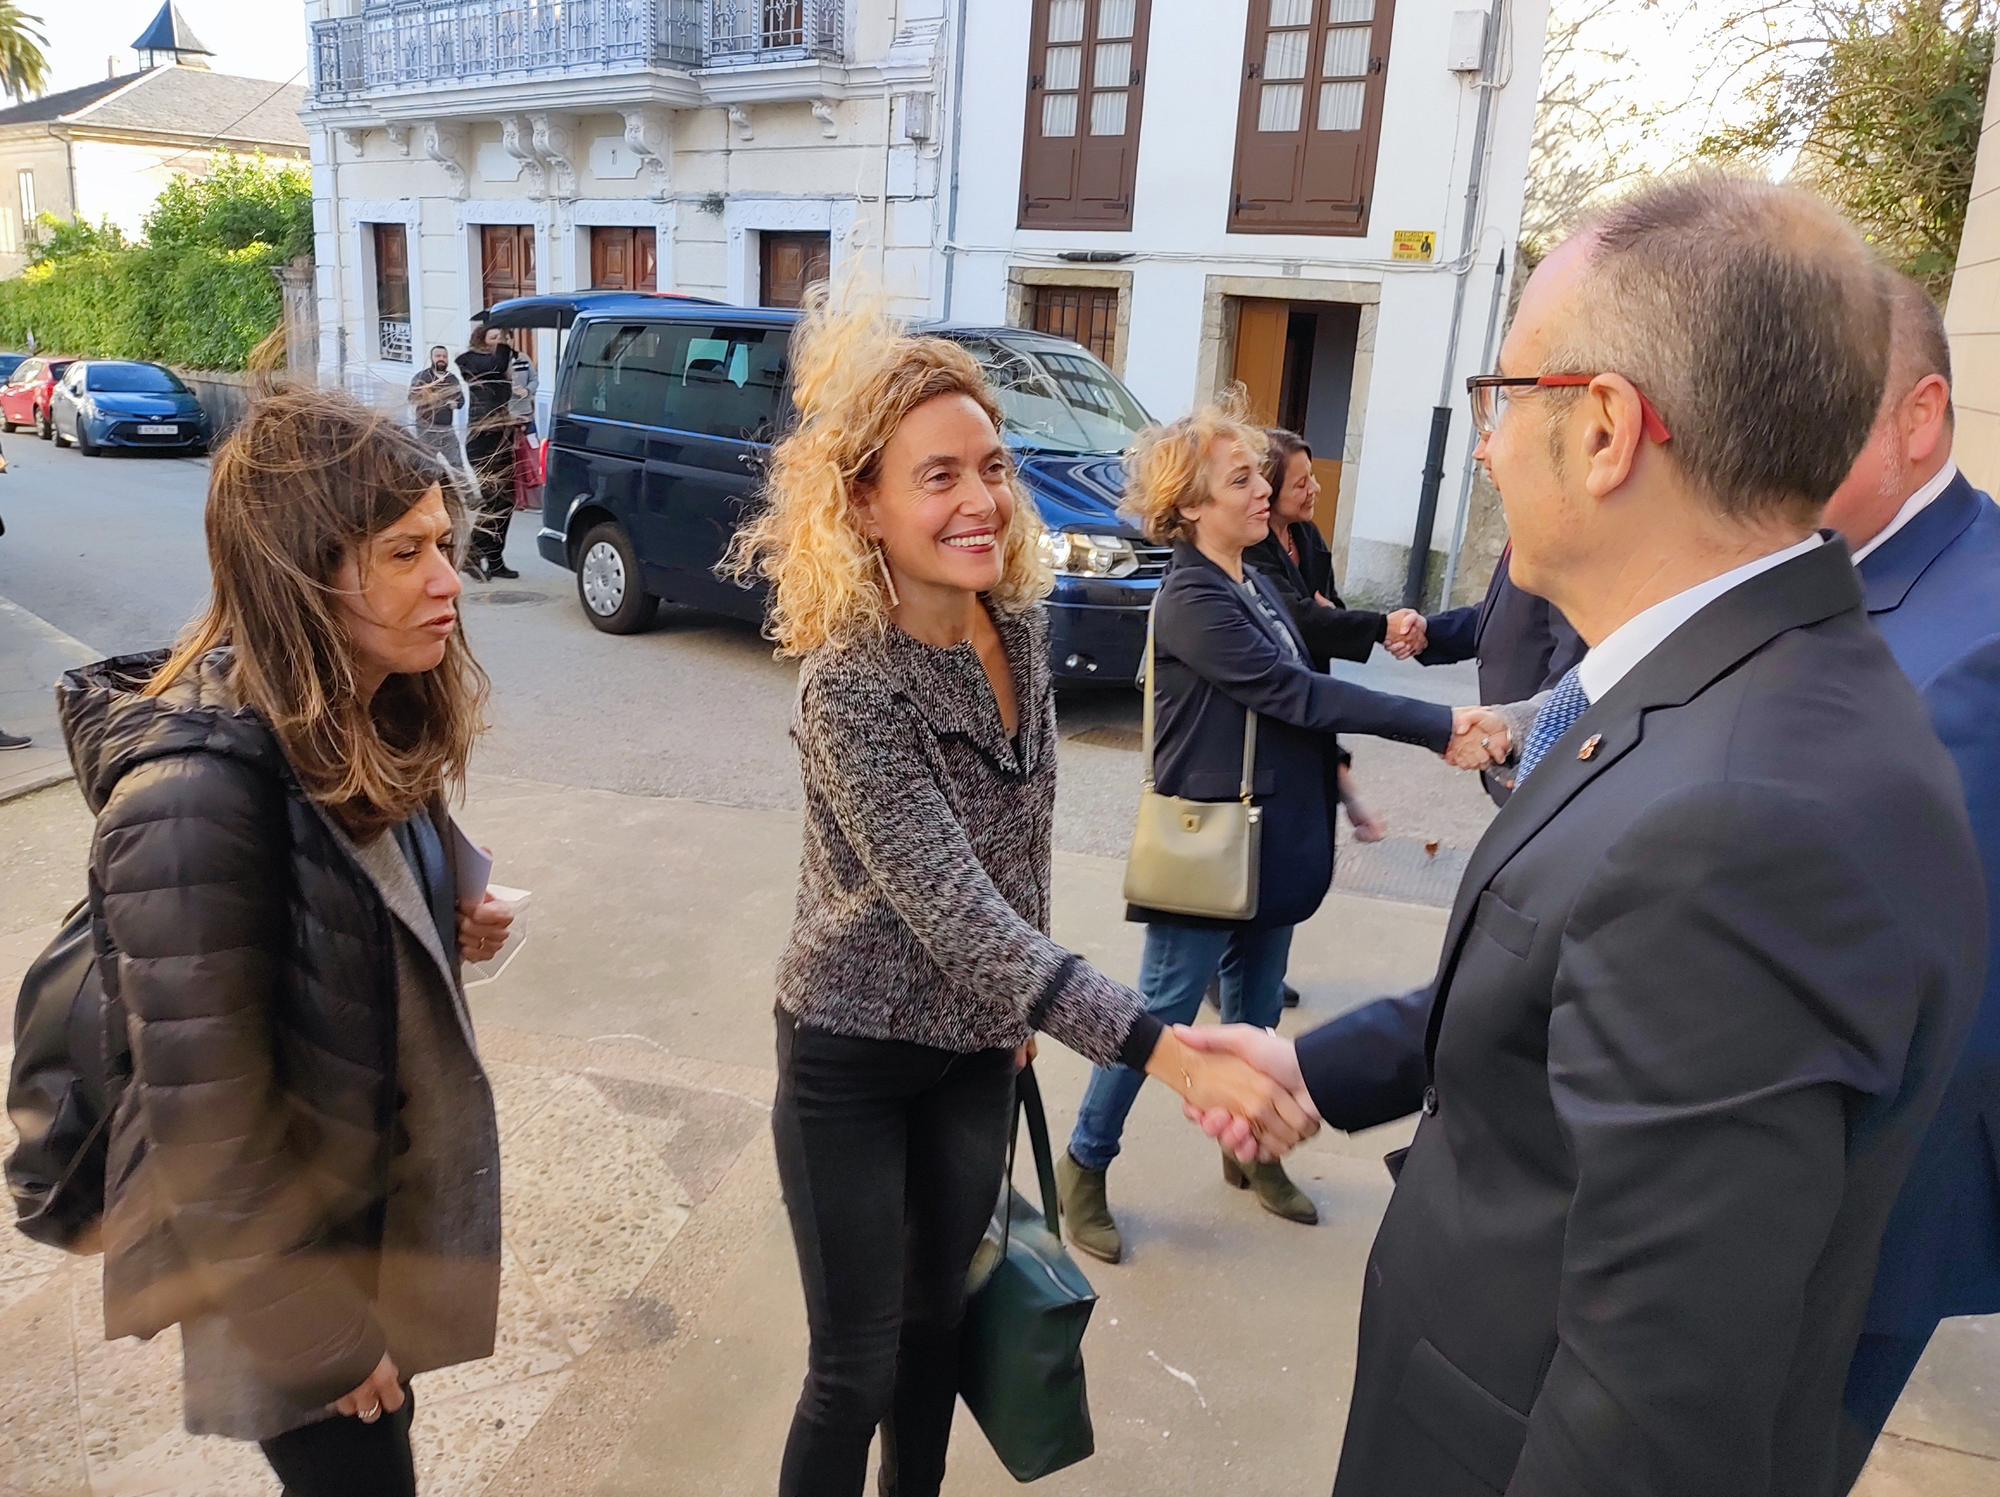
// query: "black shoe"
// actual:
[[1291, 996], [501, 570], [14, 741], [473, 568]]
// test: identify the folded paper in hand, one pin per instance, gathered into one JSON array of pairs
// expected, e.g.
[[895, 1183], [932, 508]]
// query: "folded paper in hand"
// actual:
[[475, 870]]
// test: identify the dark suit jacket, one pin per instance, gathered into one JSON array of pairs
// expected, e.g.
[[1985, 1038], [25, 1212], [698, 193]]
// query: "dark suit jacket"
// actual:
[[1934, 591], [1219, 655], [1523, 645], [1699, 996], [1330, 633]]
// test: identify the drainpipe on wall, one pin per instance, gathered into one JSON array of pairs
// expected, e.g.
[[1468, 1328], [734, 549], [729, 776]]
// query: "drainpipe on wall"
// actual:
[[957, 135], [1465, 479], [1427, 499]]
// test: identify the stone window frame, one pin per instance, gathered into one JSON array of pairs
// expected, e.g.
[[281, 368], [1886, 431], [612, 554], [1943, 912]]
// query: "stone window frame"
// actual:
[[1020, 278], [1220, 293]]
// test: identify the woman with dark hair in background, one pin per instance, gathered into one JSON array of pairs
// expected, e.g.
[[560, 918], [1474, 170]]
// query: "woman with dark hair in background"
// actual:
[[1299, 563], [304, 1166], [488, 367]]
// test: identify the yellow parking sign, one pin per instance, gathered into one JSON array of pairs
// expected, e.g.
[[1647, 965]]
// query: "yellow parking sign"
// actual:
[[1415, 244]]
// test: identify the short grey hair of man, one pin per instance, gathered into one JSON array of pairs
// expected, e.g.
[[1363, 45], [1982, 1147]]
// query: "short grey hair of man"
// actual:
[[1756, 321], [1919, 346]]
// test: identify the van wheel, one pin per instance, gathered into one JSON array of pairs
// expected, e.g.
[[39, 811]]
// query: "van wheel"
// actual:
[[607, 582]]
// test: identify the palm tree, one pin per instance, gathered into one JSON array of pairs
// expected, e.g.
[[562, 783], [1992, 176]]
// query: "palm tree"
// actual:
[[24, 67]]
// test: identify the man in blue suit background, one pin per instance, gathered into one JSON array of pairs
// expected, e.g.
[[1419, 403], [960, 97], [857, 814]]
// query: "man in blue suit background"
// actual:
[[1927, 544]]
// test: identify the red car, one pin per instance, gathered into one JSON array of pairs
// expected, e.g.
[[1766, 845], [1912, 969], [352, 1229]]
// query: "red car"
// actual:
[[24, 399]]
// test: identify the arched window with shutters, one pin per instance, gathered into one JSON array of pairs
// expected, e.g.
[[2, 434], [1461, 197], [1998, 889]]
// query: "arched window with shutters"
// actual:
[[1310, 121], [1086, 77]]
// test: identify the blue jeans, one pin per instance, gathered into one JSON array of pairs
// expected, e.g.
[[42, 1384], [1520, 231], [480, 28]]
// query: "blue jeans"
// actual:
[[1179, 963]]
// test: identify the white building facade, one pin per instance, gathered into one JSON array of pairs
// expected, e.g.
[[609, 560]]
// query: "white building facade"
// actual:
[[1203, 191], [1216, 189], [466, 151]]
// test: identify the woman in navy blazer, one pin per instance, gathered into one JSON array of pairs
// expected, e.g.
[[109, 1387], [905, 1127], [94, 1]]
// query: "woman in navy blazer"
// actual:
[[1226, 644]]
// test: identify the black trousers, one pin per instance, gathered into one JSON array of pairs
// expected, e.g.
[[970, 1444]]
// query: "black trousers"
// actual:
[[890, 1155], [342, 1457], [491, 455]]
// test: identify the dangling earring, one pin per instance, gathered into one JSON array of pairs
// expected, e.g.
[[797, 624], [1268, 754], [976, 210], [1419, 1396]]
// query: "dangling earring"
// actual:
[[888, 582]]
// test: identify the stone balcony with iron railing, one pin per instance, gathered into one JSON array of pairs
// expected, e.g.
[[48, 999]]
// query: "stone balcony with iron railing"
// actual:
[[404, 48]]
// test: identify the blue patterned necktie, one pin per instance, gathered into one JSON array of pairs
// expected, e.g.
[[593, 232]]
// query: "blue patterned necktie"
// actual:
[[1558, 715]]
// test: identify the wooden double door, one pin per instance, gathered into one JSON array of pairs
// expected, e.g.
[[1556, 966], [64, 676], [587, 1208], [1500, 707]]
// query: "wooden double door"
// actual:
[[624, 259], [788, 263], [507, 267]]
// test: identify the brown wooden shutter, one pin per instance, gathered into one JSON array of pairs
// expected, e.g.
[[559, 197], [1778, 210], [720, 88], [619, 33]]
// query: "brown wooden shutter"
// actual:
[[788, 263], [624, 259], [392, 270], [1086, 81], [646, 259], [611, 259], [392, 293], [1309, 123]]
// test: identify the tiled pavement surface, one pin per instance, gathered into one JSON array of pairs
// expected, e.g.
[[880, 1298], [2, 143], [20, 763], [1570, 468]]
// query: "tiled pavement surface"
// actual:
[[609, 1152], [652, 1332]]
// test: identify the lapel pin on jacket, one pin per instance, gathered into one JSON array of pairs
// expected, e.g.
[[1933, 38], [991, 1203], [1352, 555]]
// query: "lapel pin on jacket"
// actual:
[[1589, 749]]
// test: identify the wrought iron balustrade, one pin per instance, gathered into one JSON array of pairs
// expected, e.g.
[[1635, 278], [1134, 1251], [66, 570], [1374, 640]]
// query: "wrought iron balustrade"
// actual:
[[749, 31], [392, 336], [401, 44]]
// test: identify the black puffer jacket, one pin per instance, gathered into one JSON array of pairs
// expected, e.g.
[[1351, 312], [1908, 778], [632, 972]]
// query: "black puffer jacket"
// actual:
[[253, 965]]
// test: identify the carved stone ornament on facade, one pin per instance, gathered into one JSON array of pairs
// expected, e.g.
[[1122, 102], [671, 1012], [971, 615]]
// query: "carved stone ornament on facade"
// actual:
[[823, 112], [447, 148], [740, 118], [647, 135], [399, 137], [553, 144], [356, 139], [517, 140]]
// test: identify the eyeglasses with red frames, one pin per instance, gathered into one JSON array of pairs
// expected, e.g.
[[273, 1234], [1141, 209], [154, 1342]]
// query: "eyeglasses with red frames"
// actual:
[[1489, 391]]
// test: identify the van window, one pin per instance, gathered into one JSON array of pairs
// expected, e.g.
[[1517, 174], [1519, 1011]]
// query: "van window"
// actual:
[[719, 381]]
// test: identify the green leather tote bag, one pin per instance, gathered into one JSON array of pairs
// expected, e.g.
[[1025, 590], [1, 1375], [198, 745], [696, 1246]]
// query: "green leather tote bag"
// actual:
[[1021, 1369]]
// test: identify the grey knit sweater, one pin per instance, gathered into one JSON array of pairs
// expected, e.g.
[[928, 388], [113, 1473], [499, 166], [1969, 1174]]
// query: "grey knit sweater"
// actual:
[[923, 910]]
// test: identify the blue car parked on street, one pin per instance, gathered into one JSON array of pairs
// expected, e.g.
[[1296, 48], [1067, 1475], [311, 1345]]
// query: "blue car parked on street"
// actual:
[[100, 403], [663, 416]]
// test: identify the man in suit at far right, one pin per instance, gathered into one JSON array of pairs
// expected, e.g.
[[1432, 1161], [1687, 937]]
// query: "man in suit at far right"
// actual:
[[1927, 545], [1710, 968]]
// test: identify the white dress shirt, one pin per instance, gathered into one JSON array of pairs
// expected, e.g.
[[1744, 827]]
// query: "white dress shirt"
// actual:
[[1915, 505], [1613, 658]]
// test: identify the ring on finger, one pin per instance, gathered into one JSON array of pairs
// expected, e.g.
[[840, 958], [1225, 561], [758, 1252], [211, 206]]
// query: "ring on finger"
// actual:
[[371, 1414]]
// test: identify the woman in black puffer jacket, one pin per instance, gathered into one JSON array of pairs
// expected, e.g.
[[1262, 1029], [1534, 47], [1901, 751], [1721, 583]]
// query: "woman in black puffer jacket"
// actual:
[[304, 1165]]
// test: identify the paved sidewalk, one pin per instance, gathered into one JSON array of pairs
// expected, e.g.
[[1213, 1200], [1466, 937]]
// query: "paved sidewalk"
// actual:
[[653, 1332], [33, 656]]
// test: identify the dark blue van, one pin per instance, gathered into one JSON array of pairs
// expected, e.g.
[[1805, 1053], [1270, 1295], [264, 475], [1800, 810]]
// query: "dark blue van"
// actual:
[[664, 411]]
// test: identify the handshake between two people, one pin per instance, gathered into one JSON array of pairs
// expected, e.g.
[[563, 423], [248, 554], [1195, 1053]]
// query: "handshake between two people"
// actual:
[[1480, 738], [1244, 1066], [1241, 1084]]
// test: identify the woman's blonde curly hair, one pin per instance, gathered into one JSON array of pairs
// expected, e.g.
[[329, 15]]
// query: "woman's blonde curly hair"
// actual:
[[1166, 467], [856, 375]]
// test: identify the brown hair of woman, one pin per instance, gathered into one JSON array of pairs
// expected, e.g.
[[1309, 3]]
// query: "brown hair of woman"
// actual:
[[297, 490]]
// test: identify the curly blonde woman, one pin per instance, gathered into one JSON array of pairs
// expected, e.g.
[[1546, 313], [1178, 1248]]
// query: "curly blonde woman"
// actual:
[[901, 553]]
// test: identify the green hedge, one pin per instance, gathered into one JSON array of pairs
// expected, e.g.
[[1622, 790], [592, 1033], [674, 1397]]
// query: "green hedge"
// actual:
[[196, 307]]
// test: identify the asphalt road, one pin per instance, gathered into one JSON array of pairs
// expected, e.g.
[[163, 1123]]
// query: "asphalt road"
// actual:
[[111, 551]]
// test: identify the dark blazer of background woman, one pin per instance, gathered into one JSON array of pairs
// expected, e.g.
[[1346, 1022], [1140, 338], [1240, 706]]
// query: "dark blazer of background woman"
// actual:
[[1331, 633], [1220, 655]]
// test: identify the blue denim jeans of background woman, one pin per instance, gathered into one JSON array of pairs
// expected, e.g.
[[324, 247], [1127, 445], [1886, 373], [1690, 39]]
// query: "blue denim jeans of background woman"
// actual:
[[1179, 963]]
